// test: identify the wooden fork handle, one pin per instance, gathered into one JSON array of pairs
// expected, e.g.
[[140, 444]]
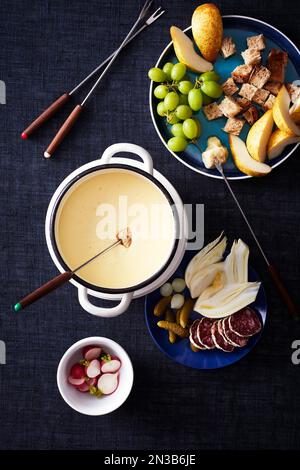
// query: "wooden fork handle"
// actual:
[[47, 114], [44, 290], [282, 290], [63, 131]]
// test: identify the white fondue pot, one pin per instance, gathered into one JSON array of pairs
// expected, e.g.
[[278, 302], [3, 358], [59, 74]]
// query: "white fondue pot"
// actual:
[[122, 296]]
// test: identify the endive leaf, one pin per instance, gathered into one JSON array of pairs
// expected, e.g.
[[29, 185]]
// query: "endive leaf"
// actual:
[[228, 300], [218, 284], [204, 278], [236, 263], [211, 253], [242, 256]]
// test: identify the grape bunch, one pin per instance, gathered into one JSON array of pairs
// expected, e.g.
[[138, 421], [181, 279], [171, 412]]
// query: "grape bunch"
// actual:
[[179, 98]]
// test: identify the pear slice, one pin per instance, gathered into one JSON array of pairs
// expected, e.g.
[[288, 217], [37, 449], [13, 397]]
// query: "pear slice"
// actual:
[[281, 113], [185, 52], [279, 140], [243, 159], [259, 135], [295, 111]]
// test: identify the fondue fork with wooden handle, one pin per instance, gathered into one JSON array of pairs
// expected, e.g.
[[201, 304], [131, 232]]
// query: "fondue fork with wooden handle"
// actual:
[[72, 118], [274, 273], [123, 238], [63, 99]]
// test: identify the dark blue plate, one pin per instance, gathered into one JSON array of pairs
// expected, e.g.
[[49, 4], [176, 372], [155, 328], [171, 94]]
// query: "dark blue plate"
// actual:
[[239, 27], [181, 351]]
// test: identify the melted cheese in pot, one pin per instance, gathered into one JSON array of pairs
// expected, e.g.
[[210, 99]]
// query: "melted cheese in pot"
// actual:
[[99, 205]]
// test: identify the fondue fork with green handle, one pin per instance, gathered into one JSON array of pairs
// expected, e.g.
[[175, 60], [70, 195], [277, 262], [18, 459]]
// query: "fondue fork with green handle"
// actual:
[[123, 238]]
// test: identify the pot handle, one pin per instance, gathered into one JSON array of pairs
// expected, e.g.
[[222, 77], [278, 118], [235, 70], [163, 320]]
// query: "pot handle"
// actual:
[[131, 148], [102, 311]]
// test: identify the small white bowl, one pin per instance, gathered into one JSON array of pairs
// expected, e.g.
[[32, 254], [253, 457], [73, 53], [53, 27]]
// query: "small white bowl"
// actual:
[[85, 402]]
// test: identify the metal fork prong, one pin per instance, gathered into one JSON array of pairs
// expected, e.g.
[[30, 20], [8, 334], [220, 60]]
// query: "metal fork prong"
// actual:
[[155, 15], [150, 20], [145, 8]]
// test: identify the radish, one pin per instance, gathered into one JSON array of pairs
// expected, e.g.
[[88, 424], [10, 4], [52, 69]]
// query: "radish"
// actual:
[[108, 383], [92, 382], [84, 387], [110, 366], [93, 369], [77, 371], [76, 382], [91, 352]]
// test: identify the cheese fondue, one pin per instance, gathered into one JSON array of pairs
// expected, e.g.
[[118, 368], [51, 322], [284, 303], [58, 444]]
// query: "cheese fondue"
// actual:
[[96, 208]]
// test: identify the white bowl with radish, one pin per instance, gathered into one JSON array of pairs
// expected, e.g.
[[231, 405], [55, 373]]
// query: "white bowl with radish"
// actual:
[[95, 376]]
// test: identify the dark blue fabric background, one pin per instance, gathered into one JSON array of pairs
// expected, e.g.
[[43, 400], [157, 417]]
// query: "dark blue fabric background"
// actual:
[[45, 47]]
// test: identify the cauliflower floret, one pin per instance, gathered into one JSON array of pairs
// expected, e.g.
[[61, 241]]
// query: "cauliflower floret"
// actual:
[[215, 153]]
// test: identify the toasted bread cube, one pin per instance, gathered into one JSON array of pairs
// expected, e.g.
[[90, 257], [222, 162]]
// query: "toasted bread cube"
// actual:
[[256, 42], [294, 91], [228, 47], [259, 76], [269, 103], [273, 87], [212, 111], [241, 73], [230, 107], [260, 96], [251, 56], [229, 87], [234, 126], [248, 91], [251, 115], [277, 62], [244, 103]]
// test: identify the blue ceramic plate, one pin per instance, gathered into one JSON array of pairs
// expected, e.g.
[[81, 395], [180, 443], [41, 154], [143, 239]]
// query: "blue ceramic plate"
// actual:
[[181, 351], [239, 27]]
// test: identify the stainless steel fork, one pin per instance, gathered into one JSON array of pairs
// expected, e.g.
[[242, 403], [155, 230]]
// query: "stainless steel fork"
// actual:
[[149, 21], [56, 105]]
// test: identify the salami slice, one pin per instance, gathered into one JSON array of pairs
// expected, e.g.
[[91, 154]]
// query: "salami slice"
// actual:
[[221, 331], [218, 339], [204, 333], [245, 322], [231, 337], [193, 335]]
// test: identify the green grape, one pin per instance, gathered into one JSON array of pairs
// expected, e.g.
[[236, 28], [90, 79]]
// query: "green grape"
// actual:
[[176, 130], [183, 99], [178, 72], [195, 99], [161, 110], [199, 128], [209, 77], [183, 112], [206, 99], [190, 128], [171, 101], [161, 91], [167, 68], [177, 144], [157, 75], [212, 89], [172, 118], [185, 86]]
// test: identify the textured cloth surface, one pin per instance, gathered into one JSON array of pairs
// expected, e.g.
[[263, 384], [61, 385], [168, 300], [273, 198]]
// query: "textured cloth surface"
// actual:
[[45, 48]]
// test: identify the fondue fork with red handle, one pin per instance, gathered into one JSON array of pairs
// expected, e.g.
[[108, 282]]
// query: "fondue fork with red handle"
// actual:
[[64, 98], [272, 270], [59, 280]]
